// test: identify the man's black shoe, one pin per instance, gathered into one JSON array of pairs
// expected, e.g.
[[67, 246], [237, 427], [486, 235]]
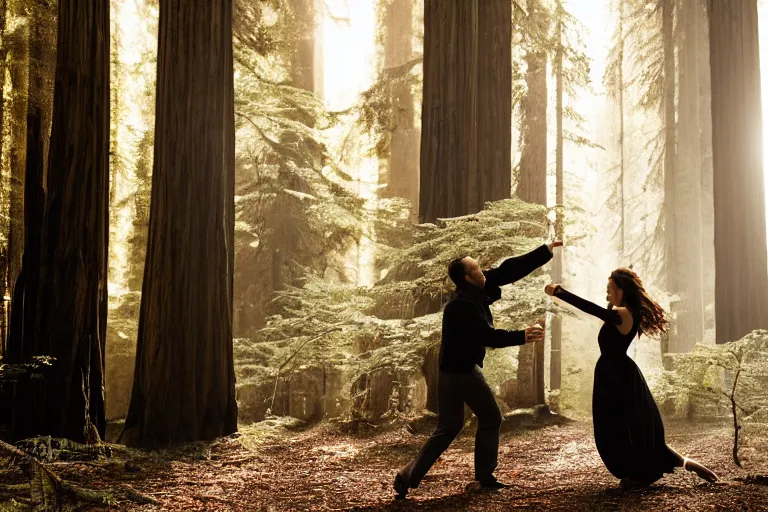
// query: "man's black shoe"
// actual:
[[493, 484], [401, 488]]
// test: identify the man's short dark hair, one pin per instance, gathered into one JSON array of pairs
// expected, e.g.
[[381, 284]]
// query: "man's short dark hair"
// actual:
[[456, 272]]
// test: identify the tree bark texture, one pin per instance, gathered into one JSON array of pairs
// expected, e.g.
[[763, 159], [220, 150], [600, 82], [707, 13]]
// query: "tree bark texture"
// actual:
[[448, 177], [687, 215], [42, 69], [532, 187], [532, 178], [184, 381], [741, 278], [402, 178], [17, 43], [670, 144], [555, 366], [707, 201], [38, 101], [494, 100], [465, 100], [71, 309], [4, 260]]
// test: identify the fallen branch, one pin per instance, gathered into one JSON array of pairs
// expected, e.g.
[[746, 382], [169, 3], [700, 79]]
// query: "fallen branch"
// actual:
[[736, 426], [46, 487]]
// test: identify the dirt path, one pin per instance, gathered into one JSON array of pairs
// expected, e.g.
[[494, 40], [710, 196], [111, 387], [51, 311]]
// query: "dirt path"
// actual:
[[555, 468]]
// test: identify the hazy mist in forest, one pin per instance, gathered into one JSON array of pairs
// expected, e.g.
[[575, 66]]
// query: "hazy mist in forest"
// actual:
[[346, 63]]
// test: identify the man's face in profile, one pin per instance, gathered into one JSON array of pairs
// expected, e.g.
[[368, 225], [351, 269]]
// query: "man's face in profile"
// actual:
[[474, 274]]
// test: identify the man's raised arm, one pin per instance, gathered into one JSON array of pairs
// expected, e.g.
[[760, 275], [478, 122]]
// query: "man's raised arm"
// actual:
[[516, 268]]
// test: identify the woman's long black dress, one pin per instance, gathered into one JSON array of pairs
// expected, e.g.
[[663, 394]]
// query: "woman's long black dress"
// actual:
[[629, 432]]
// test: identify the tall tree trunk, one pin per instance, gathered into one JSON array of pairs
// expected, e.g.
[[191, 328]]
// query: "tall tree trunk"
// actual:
[[741, 280], [622, 162], [17, 44], [494, 100], [532, 187], [4, 281], [466, 112], [555, 366], [402, 179], [448, 177], [72, 306], [467, 97], [670, 146], [687, 183], [532, 180], [42, 69], [184, 381], [448, 160], [39, 103], [707, 192]]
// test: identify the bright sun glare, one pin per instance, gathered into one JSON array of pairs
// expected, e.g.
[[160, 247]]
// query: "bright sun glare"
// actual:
[[763, 29], [349, 60], [349, 68]]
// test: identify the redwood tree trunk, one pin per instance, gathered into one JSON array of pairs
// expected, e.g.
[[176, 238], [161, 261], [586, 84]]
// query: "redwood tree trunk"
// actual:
[[532, 187], [72, 307], [4, 281], [532, 178], [741, 279], [494, 100], [707, 201], [687, 182], [557, 267], [670, 145], [448, 177], [184, 381], [402, 179], [17, 43]]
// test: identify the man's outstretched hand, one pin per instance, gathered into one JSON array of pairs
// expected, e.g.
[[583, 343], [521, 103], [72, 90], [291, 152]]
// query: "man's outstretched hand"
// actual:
[[534, 333], [554, 243]]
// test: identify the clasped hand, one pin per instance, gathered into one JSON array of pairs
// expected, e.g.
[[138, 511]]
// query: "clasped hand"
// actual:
[[535, 332]]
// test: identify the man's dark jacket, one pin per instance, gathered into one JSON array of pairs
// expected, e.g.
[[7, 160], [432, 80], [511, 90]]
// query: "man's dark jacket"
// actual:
[[467, 319]]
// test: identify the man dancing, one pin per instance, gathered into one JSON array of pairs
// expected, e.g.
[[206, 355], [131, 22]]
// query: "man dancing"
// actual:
[[467, 330]]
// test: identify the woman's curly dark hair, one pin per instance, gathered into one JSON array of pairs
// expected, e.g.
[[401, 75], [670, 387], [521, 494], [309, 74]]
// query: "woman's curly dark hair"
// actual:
[[652, 317]]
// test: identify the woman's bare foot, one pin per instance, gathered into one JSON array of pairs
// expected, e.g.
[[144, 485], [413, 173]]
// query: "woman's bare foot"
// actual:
[[702, 471]]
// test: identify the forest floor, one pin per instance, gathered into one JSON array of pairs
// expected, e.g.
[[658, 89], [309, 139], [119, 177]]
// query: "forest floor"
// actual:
[[552, 467]]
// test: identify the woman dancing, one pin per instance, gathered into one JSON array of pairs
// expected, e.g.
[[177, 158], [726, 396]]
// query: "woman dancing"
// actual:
[[629, 433]]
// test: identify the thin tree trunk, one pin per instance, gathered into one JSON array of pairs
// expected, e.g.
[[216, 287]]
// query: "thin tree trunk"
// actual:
[[39, 105], [532, 187], [184, 381], [670, 145], [494, 101], [532, 180], [402, 170], [622, 162], [707, 201], [687, 214], [741, 279], [72, 307], [448, 176], [557, 268]]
